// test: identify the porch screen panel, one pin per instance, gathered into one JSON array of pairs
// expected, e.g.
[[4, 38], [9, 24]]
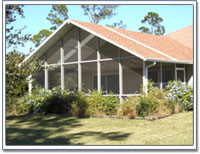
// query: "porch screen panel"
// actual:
[[71, 77], [110, 76], [168, 73], [107, 50], [125, 54], [52, 56], [154, 73], [39, 79], [132, 75], [54, 76], [89, 70], [88, 46], [70, 42]]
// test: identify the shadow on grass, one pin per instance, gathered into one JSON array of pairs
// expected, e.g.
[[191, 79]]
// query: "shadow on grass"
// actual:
[[44, 130]]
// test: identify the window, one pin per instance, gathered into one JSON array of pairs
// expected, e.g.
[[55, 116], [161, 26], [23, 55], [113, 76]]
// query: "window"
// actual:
[[109, 83]]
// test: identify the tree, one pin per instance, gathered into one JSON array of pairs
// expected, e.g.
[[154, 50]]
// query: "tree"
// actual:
[[37, 39], [57, 15], [97, 13], [153, 21], [16, 77], [14, 36], [119, 25]]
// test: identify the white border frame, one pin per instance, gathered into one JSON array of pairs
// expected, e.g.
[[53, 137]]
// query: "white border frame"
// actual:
[[193, 147]]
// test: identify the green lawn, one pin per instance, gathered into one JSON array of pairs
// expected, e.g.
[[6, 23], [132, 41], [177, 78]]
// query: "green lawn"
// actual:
[[51, 130]]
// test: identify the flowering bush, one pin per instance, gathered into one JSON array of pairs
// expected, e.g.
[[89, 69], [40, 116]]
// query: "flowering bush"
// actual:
[[178, 92]]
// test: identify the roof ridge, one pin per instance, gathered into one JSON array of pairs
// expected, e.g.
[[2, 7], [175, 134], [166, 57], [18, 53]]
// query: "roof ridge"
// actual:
[[147, 46]]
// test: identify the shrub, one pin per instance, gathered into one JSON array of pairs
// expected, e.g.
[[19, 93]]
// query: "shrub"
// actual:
[[128, 107], [146, 107], [156, 103], [80, 105], [99, 105], [179, 93]]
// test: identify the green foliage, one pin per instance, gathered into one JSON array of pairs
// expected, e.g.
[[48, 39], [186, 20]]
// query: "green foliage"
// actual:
[[77, 104], [119, 25], [128, 107], [16, 77], [177, 92], [97, 13], [99, 105], [57, 15], [80, 105], [37, 39], [153, 20], [146, 107], [14, 36]]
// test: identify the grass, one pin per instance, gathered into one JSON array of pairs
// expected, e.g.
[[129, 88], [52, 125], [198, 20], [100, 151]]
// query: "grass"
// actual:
[[54, 130]]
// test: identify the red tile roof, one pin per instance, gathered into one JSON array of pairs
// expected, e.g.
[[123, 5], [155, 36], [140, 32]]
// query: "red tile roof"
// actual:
[[183, 36], [147, 45]]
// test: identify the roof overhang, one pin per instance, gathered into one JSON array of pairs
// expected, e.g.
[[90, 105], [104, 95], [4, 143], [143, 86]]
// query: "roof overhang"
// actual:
[[68, 24]]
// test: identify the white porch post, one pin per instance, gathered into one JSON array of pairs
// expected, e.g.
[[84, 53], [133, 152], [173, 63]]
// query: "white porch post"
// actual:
[[98, 66], [161, 81], [184, 75], [120, 78], [30, 83], [175, 72], [145, 84], [46, 76], [62, 69], [79, 60]]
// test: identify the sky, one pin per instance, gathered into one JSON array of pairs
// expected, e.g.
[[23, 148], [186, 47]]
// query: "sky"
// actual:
[[174, 17]]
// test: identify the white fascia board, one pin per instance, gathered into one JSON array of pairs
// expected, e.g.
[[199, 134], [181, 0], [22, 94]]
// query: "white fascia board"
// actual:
[[108, 40], [169, 61], [138, 42], [50, 38]]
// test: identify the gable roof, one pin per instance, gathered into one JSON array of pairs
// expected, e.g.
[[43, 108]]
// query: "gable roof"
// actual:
[[144, 46], [183, 36]]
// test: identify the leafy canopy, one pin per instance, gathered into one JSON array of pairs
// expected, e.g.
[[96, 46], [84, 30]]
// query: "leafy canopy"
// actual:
[[152, 20], [57, 15], [97, 13], [37, 39], [14, 36]]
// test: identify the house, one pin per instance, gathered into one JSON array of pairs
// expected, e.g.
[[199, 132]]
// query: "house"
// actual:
[[85, 56]]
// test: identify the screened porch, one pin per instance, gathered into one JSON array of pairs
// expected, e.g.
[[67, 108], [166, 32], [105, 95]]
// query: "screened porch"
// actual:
[[82, 61]]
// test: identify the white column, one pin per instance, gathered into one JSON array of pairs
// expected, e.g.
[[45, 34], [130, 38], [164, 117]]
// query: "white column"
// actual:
[[145, 83], [79, 59], [98, 66], [46, 76], [175, 72], [29, 84], [62, 69], [161, 83], [120, 78], [184, 75]]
